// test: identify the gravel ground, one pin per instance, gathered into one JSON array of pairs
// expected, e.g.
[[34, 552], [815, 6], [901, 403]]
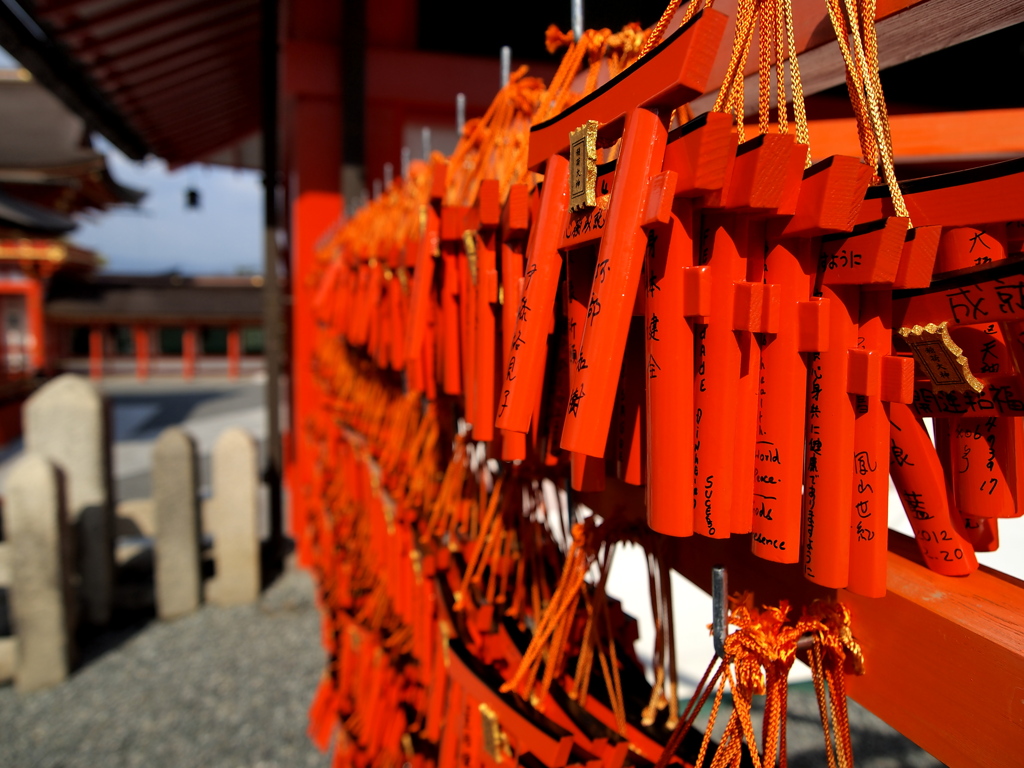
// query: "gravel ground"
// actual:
[[223, 687]]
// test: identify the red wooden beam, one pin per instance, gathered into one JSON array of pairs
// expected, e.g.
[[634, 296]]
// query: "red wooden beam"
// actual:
[[164, 126], [85, 26], [170, 115], [176, 25], [907, 29], [155, 55], [206, 134], [990, 193], [929, 137], [168, 41], [668, 77], [186, 88], [214, 110], [69, 7], [158, 71], [944, 655]]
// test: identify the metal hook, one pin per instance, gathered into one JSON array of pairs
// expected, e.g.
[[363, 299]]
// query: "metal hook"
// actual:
[[460, 113], [720, 614], [506, 64], [719, 608], [425, 140], [576, 11]]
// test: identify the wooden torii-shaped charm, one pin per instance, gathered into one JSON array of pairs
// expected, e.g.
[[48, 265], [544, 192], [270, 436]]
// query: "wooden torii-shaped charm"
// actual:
[[633, 108]]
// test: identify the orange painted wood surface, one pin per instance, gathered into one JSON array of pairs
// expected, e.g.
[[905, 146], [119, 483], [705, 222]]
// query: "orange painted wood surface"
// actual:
[[982, 135], [944, 656], [671, 75]]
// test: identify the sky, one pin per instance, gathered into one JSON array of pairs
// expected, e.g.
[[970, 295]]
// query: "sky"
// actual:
[[224, 235]]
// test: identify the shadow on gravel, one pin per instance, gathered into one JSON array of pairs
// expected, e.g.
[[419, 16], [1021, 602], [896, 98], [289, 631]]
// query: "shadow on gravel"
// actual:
[[134, 605]]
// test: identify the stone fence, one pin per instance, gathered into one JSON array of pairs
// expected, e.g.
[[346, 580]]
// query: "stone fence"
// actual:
[[58, 562]]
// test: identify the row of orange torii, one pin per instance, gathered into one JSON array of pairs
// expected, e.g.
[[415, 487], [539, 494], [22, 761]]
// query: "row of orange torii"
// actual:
[[712, 305], [609, 291]]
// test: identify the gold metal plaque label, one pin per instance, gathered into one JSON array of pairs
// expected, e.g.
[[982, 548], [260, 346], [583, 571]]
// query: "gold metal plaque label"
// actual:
[[495, 742], [583, 166], [469, 243], [940, 358]]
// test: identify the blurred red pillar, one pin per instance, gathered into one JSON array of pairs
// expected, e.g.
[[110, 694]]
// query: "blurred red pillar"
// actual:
[[141, 352], [96, 352], [36, 323], [234, 352], [189, 346], [314, 140]]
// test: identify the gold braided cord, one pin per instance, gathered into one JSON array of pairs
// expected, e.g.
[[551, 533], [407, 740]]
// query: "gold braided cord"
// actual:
[[658, 30], [854, 86], [724, 100], [803, 135], [765, 30], [854, 23], [870, 34], [731, 95], [780, 67]]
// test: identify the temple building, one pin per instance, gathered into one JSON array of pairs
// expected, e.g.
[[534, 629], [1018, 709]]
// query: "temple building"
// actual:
[[57, 313]]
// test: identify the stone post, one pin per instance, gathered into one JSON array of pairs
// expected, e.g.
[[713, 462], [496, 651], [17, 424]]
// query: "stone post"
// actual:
[[37, 529], [177, 574], [66, 422], [232, 519]]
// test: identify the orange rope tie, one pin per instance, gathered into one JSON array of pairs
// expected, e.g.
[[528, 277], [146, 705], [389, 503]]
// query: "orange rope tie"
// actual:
[[487, 535], [656, 699]]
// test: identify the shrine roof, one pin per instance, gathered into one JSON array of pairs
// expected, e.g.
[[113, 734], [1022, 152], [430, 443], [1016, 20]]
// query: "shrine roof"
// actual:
[[178, 78], [26, 217], [160, 299], [46, 155]]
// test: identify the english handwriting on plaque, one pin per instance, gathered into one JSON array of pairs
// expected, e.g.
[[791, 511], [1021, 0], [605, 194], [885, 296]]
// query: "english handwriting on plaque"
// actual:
[[709, 491], [775, 543], [940, 537]]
